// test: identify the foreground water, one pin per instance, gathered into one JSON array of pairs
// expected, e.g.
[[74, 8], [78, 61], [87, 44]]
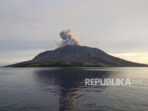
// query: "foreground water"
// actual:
[[63, 89]]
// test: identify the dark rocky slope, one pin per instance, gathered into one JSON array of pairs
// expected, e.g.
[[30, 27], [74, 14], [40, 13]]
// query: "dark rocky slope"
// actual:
[[75, 55]]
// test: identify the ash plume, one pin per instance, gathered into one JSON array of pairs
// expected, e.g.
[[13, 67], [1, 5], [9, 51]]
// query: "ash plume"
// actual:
[[67, 38]]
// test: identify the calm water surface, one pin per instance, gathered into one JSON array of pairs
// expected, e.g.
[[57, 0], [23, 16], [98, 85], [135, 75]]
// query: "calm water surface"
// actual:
[[63, 89]]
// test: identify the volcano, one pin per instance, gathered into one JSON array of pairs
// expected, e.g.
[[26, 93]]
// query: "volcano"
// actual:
[[76, 56]]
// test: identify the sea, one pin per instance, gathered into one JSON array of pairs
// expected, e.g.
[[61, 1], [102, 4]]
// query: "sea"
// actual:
[[64, 89]]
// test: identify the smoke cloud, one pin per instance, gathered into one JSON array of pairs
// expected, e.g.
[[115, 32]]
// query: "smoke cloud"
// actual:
[[67, 38]]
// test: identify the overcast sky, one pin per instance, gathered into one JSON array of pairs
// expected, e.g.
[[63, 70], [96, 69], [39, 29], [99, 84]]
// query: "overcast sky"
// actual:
[[28, 27]]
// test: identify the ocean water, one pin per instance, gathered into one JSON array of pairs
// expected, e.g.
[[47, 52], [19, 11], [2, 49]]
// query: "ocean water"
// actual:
[[64, 89]]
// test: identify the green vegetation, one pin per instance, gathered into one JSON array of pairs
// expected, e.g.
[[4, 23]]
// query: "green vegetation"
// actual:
[[63, 64]]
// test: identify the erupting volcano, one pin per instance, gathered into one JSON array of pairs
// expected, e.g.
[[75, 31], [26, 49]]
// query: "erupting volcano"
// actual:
[[71, 53]]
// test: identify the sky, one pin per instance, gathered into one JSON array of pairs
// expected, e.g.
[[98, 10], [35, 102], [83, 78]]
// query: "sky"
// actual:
[[28, 27]]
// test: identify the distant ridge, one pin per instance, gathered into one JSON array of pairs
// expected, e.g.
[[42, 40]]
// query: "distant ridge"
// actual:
[[76, 56]]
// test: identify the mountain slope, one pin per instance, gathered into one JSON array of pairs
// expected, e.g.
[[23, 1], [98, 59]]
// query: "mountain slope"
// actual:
[[75, 55]]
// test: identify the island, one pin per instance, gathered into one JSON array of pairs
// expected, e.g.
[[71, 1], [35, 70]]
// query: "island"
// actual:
[[76, 56]]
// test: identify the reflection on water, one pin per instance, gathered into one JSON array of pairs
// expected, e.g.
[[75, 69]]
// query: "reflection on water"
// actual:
[[63, 89], [70, 81]]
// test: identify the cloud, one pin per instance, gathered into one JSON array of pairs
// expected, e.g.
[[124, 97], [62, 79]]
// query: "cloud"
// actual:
[[35, 24], [135, 57]]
